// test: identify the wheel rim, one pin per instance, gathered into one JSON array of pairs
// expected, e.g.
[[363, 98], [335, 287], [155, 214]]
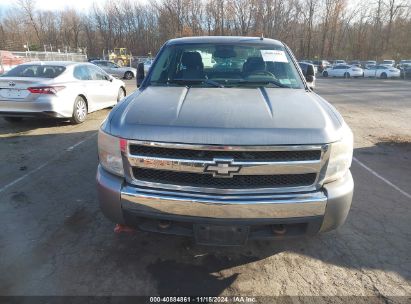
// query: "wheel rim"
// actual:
[[81, 110], [128, 75]]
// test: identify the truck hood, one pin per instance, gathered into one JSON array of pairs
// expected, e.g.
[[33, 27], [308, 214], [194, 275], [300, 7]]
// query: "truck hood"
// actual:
[[226, 116]]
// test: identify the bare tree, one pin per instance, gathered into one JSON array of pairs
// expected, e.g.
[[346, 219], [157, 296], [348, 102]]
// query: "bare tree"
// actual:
[[320, 28]]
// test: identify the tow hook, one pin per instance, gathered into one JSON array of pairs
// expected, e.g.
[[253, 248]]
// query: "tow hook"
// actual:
[[164, 224], [279, 229]]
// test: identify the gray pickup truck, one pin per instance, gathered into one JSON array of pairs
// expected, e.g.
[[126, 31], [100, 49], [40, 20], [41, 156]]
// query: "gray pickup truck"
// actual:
[[225, 142]]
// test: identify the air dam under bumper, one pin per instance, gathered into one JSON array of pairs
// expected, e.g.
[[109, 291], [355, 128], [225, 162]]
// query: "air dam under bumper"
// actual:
[[322, 210]]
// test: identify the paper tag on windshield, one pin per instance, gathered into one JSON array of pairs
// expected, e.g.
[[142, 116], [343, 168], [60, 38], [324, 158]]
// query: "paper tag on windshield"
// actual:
[[273, 55]]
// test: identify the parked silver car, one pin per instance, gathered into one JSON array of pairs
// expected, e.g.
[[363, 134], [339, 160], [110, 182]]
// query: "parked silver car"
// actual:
[[57, 89], [116, 70]]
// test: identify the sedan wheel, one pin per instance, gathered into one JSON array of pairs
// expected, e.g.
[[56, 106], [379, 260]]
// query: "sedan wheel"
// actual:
[[128, 75], [347, 75], [79, 110], [325, 74], [383, 76]]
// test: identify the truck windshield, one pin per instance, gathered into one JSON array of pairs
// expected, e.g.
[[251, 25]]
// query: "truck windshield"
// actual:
[[223, 65]]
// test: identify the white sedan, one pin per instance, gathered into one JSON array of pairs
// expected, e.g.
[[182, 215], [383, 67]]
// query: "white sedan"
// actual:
[[57, 89], [343, 70], [382, 71]]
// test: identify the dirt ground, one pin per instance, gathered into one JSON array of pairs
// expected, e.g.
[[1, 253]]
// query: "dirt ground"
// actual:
[[55, 241]]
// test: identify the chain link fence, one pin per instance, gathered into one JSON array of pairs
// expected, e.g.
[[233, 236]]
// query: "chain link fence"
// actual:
[[51, 56]]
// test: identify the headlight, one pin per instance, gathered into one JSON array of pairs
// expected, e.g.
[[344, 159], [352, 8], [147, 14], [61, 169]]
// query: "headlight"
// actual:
[[109, 152], [340, 156]]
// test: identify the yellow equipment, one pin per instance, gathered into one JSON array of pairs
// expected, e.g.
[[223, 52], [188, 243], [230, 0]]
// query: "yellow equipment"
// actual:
[[120, 56]]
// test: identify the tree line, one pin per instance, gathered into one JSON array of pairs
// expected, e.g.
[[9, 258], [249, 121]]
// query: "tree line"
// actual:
[[322, 29]]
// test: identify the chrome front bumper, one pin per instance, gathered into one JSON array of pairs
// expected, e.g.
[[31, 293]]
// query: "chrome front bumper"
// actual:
[[331, 203], [223, 207]]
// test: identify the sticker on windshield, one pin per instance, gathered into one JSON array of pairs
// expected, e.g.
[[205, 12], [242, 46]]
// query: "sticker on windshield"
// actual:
[[274, 55]]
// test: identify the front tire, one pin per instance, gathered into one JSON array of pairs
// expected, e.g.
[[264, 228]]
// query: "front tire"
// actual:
[[13, 119], [79, 110], [383, 76], [128, 75], [325, 74]]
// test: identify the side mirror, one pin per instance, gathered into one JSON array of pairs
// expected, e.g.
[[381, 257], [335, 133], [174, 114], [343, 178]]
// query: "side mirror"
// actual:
[[309, 73], [310, 70], [309, 78], [140, 74]]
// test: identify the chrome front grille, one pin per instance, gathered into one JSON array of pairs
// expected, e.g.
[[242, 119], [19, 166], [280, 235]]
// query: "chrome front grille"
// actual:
[[297, 155], [225, 169]]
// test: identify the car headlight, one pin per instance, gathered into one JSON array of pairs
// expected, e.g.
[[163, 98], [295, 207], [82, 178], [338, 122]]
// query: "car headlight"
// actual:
[[109, 152], [340, 156]]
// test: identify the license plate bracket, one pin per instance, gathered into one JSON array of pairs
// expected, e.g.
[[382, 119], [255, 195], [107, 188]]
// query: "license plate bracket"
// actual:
[[221, 235], [11, 93]]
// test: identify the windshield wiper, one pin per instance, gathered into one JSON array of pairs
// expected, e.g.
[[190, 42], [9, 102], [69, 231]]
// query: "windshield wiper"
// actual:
[[256, 82], [191, 81]]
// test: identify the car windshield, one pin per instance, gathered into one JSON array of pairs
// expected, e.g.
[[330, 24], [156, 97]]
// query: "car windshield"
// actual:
[[35, 70], [223, 65]]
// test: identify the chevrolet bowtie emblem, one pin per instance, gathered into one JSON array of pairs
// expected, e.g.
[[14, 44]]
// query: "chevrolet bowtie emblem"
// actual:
[[222, 168]]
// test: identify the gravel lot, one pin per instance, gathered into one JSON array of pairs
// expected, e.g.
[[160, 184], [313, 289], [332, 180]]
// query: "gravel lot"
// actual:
[[55, 241]]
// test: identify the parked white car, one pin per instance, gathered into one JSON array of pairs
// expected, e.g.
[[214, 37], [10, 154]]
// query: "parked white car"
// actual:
[[338, 61], [388, 63], [369, 63], [343, 70], [404, 63], [382, 71], [57, 89]]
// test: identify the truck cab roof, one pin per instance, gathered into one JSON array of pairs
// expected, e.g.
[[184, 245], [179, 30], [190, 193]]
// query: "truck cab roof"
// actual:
[[224, 40]]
